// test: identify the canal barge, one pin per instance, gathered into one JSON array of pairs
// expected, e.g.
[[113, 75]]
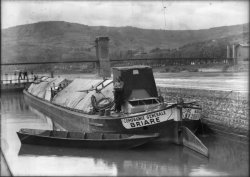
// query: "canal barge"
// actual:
[[87, 105]]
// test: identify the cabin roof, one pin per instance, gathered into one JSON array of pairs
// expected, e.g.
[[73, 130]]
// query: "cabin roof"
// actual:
[[131, 67]]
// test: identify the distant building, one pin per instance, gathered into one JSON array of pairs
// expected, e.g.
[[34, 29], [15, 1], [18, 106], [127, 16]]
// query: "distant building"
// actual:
[[242, 53], [239, 53]]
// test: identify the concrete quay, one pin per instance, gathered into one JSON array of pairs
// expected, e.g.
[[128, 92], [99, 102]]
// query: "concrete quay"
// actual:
[[222, 111]]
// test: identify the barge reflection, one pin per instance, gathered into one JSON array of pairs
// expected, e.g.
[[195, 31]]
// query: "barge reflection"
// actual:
[[155, 159], [146, 160]]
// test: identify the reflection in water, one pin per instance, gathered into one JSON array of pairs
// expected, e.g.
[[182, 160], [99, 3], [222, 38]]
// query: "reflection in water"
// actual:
[[228, 155], [146, 160], [152, 159], [13, 103]]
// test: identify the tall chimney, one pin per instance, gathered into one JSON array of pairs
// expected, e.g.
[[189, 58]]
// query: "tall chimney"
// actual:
[[234, 54], [233, 47], [102, 54], [228, 51]]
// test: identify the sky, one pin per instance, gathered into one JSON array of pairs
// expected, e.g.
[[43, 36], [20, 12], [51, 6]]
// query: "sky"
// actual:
[[168, 15]]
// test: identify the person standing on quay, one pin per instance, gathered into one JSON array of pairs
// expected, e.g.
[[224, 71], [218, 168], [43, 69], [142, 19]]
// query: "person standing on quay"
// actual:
[[20, 75], [25, 75]]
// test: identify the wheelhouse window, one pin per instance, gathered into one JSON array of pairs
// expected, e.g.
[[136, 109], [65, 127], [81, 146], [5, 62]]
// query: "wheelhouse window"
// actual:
[[135, 71], [143, 101]]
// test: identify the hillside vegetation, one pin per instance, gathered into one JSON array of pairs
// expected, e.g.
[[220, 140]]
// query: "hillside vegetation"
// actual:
[[63, 41]]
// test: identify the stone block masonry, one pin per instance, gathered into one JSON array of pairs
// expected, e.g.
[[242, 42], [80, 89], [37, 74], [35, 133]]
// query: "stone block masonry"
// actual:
[[226, 111]]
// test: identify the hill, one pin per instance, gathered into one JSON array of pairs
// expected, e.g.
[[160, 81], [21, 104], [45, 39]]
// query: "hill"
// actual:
[[63, 41]]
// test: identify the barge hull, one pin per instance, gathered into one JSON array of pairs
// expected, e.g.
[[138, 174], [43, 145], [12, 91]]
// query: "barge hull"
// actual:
[[75, 121]]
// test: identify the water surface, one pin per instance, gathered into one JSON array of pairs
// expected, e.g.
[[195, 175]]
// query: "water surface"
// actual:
[[227, 157]]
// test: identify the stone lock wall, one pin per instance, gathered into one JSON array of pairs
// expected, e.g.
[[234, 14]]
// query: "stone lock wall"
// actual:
[[226, 111]]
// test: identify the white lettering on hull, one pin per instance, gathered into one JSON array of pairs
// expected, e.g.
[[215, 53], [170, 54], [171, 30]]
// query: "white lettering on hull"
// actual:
[[148, 119], [191, 113]]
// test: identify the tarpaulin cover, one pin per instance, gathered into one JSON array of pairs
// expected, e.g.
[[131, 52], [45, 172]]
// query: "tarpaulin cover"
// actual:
[[55, 83], [33, 87], [42, 89], [71, 95], [74, 95]]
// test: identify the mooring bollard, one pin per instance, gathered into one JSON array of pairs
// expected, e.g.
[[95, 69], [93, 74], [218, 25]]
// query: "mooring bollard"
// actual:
[[101, 112]]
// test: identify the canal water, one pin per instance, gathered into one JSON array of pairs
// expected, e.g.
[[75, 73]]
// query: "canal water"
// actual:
[[227, 157]]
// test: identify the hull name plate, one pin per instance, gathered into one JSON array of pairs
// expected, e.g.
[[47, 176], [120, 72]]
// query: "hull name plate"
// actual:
[[192, 114], [148, 119]]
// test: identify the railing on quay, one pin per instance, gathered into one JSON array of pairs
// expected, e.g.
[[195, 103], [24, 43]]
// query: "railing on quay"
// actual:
[[16, 81]]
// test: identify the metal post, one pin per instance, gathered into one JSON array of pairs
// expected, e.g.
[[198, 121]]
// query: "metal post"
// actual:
[[52, 74], [179, 125]]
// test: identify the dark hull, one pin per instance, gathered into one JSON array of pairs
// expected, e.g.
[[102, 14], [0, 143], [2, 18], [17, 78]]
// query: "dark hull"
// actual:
[[81, 143], [74, 121]]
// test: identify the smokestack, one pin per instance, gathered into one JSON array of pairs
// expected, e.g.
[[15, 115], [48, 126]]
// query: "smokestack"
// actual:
[[233, 46], [102, 54], [234, 54], [228, 51]]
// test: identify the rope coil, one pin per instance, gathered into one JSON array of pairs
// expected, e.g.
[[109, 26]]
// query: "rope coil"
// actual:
[[98, 106]]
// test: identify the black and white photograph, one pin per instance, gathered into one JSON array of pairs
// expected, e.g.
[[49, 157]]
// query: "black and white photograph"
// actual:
[[124, 88]]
